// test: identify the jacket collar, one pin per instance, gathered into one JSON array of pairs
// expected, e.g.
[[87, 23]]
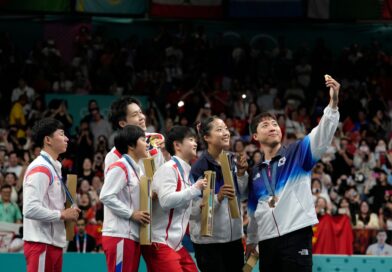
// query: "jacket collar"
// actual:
[[281, 152], [209, 158]]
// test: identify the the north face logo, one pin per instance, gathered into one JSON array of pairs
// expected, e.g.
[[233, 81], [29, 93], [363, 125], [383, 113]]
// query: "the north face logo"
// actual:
[[303, 252]]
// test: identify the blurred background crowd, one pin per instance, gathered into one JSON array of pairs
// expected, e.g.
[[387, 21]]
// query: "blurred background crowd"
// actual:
[[185, 76]]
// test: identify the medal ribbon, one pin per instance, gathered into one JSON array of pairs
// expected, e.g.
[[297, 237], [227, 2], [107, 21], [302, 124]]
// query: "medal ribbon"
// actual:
[[131, 164], [182, 171], [67, 193], [270, 179]]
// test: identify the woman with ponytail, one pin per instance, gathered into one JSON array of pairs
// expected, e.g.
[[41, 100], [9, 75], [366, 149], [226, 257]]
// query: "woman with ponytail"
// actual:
[[223, 251]]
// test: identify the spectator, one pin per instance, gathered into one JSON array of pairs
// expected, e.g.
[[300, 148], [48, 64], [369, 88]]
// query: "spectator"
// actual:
[[98, 164], [102, 145], [37, 111], [82, 241], [61, 113], [379, 190], [4, 144], [97, 184], [380, 153], [380, 248], [294, 127], [23, 89], [85, 144], [17, 116], [335, 198], [95, 189], [380, 124], [321, 206], [343, 160], [9, 211], [317, 191], [365, 218], [87, 172], [364, 160], [92, 105], [253, 110], [318, 172], [85, 205], [344, 207], [11, 179], [385, 213], [13, 164], [16, 244], [98, 125], [256, 158]]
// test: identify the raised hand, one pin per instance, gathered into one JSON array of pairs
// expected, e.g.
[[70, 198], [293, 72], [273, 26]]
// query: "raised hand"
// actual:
[[242, 164], [334, 88]]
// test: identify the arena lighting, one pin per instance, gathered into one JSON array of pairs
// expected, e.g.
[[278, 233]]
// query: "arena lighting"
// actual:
[[180, 104], [243, 96]]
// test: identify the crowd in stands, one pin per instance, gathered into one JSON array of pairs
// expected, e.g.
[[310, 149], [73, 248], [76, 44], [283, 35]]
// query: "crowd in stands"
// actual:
[[188, 75]]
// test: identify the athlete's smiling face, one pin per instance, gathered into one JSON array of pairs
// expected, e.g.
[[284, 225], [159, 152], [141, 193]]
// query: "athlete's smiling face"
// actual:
[[134, 117], [268, 132], [219, 135]]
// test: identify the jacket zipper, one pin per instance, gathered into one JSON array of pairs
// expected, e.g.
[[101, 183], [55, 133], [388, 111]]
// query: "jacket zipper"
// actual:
[[182, 220], [231, 227], [182, 230], [270, 180], [276, 224]]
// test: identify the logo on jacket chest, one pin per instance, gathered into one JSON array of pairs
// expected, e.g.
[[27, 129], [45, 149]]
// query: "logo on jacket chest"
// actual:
[[281, 161]]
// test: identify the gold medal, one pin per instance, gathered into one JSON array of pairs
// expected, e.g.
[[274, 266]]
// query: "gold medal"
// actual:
[[272, 201]]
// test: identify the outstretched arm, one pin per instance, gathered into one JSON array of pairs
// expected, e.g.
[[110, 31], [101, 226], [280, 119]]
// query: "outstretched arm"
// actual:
[[334, 88], [321, 136]]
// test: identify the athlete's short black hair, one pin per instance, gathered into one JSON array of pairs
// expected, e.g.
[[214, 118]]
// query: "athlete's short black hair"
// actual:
[[126, 137], [45, 127], [118, 110], [260, 117], [177, 134]]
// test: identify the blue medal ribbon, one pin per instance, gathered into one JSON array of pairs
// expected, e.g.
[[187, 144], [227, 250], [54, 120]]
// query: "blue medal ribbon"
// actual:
[[176, 161], [67, 193], [270, 186], [131, 164]]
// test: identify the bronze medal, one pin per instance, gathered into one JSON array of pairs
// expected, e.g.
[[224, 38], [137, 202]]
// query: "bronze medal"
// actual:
[[272, 201]]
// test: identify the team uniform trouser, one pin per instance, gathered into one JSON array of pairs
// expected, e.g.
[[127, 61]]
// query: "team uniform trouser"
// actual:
[[161, 257], [290, 252], [122, 255], [220, 257], [42, 257]]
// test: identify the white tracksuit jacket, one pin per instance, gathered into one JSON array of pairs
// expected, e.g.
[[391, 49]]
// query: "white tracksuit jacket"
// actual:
[[120, 196], [172, 209], [43, 201]]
